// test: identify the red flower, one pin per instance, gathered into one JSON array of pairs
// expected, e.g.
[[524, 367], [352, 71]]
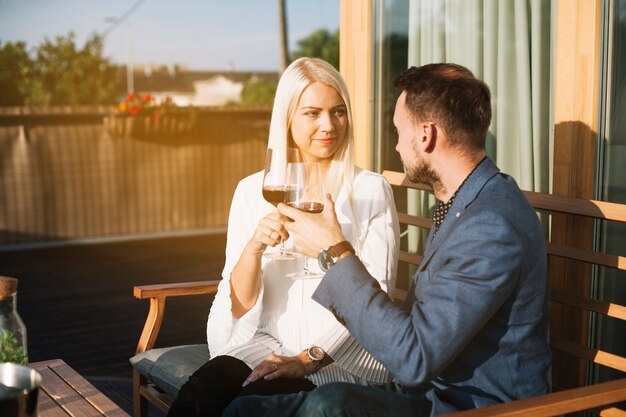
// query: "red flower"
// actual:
[[144, 105]]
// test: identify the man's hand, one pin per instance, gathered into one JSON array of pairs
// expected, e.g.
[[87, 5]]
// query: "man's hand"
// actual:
[[313, 232]]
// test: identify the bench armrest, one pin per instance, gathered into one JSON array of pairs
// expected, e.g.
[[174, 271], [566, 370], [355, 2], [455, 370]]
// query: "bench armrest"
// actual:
[[176, 289], [563, 402], [157, 294]]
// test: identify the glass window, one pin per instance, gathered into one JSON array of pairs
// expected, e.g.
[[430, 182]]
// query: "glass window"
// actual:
[[509, 44], [611, 283], [505, 43], [391, 58]]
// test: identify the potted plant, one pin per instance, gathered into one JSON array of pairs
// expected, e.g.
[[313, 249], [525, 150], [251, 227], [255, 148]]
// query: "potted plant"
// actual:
[[141, 116], [11, 349]]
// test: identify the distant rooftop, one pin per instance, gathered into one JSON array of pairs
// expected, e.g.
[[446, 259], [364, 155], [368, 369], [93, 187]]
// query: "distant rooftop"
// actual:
[[175, 78]]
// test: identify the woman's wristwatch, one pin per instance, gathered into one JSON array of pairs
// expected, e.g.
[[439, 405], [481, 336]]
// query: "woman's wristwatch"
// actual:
[[317, 355], [328, 257]]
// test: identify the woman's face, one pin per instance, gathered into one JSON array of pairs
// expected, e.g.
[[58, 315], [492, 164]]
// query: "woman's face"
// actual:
[[320, 122]]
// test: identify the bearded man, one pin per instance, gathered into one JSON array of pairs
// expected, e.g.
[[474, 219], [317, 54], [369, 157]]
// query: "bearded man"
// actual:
[[473, 330]]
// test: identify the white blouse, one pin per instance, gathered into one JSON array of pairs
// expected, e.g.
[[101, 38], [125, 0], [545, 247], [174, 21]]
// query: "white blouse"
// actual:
[[285, 320]]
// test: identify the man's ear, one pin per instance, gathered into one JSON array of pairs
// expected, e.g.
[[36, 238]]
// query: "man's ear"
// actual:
[[428, 133]]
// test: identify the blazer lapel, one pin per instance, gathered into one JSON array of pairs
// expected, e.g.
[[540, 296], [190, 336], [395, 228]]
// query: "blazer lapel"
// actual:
[[474, 184]]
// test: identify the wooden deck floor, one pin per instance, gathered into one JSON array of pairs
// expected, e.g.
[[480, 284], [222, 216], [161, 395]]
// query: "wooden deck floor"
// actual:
[[77, 301]]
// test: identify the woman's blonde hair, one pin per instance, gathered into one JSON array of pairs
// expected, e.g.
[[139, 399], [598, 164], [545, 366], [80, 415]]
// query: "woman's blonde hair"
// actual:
[[294, 80]]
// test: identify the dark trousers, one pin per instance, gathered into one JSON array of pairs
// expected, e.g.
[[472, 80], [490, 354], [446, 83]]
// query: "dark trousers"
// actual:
[[334, 400], [216, 383]]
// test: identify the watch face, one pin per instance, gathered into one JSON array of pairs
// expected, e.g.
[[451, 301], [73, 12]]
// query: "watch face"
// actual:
[[316, 353], [325, 260]]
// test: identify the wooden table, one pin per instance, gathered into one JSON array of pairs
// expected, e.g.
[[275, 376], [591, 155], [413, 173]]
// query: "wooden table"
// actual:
[[65, 393]]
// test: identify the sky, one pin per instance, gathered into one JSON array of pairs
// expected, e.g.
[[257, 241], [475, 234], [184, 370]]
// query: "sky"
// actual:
[[215, 35]]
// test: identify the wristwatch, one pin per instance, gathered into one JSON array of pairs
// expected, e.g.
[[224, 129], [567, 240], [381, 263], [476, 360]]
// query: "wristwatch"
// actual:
[[328, 257], [317, 355]]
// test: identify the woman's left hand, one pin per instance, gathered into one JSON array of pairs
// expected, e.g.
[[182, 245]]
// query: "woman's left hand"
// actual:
[[275, 366]]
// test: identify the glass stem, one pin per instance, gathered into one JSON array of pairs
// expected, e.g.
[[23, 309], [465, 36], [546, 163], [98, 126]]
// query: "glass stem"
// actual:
[[305, 268], [281, 247]]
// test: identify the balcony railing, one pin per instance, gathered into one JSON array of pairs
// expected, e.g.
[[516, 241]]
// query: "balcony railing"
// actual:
[[64, 176]]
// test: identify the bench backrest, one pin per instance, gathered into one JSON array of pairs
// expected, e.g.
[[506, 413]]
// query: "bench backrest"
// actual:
[[574, 267]]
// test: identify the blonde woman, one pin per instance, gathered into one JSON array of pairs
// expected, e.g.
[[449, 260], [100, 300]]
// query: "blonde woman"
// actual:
[[265, 334]]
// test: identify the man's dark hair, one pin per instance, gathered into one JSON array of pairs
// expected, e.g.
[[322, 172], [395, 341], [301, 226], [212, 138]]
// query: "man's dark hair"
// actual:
[[449, 95]]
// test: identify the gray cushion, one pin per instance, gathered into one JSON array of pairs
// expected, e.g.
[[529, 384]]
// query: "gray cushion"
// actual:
[[169, 368]]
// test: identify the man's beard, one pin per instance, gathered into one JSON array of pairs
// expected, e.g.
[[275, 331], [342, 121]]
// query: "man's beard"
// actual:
[[420, 171]]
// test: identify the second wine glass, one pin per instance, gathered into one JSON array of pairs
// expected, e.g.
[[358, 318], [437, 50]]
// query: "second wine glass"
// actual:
[[305, 191]]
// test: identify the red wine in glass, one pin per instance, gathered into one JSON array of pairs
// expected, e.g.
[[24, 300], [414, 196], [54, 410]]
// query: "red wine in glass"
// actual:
[[308, 206], [274, 195]]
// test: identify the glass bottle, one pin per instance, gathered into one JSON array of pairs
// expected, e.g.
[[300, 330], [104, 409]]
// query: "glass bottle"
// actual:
[[12, 330]]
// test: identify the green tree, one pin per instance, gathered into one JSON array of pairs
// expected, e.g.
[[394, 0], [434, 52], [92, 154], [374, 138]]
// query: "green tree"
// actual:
[[59, 73], [257, 91], [16, 67], [75, 76], [320, 44]]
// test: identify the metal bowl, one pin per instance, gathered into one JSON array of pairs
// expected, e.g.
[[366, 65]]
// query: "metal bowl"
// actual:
[[19, 390]]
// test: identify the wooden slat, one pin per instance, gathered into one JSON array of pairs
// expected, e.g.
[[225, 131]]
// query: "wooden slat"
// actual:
[[92, 395], [140, 404], [613, 412], [47, 407], [577, 206], [72, 392], [594, 355], [563, 402], [609, 309], [610, 360], [177, 289], [66, 398], [161, 400], [542, 201], [415, 220], [410, 257], [399, 294], [586, 255]]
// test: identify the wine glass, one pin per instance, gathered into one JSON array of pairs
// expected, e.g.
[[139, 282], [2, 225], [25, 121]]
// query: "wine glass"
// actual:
[[305, 191], [274, 186]]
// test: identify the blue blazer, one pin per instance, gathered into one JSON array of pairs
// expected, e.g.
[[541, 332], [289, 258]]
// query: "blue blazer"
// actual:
[[473, 330]]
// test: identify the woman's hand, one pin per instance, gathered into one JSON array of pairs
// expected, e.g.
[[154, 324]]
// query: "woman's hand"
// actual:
[[269, 232], [246, 275], [275, 366]]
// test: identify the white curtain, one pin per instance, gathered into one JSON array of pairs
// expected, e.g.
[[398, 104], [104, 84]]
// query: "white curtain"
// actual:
[[507, 44]]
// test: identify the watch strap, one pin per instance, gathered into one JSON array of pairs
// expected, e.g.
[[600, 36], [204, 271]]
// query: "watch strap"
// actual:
[[340, 248]]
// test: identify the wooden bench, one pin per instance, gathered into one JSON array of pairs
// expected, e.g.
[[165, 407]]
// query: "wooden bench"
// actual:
[[569, 396]]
